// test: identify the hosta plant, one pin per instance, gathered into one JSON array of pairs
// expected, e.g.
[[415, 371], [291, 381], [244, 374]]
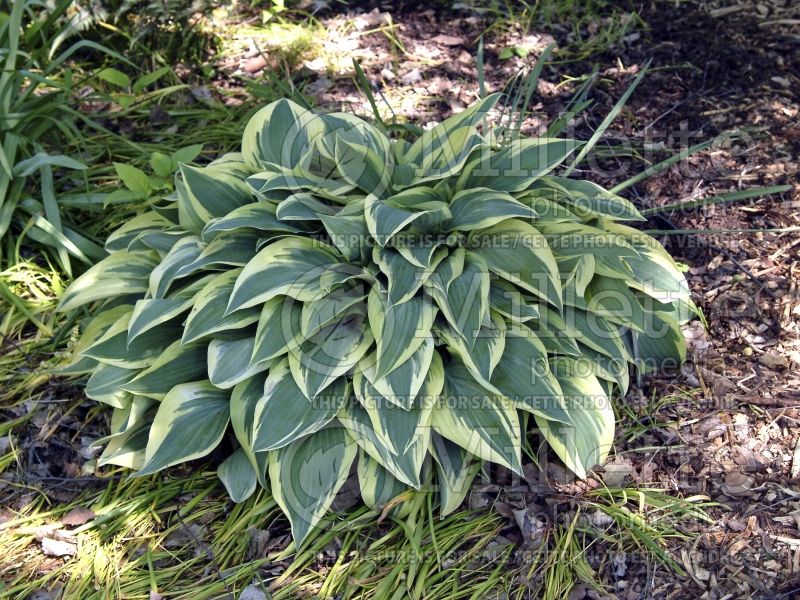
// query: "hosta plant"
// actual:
[[333, 300]]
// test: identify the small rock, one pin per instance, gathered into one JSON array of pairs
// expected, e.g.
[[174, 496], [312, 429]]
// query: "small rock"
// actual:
[[254, 65], [78, 516], [773, 360], [387, 74], [616, 474], [251, 592], [374, 18], [737, 484], [53, 547], [412, 77], [448, 40]]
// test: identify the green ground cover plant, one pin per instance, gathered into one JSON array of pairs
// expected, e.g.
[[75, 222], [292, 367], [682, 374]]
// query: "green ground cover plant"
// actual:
[[336, 296]]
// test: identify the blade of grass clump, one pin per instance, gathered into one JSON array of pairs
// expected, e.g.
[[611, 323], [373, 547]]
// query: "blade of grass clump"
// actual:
[[16, 302], [612, 114], [531, 85], [666, 164], [363, 84], [480, 69], [720, 231], [721, 199]]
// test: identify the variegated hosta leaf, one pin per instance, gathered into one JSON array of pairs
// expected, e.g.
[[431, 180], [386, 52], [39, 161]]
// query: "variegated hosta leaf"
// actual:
[[332, 291], [208, 315], [456, 469], [292, 266], [283, 413], [482, 423], [378, 486], [238, 476], [398, 427], [399, 329], [517, 166], [189, 424], [521, 255], [306, 475], [587, 440], [405, 467], [119, 274]]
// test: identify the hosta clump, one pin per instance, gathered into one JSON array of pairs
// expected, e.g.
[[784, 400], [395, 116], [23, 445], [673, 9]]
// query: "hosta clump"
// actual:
[[331, 296]]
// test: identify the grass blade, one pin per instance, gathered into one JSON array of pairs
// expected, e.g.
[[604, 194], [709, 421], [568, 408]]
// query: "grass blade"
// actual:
[[723, 198], [612, 114]]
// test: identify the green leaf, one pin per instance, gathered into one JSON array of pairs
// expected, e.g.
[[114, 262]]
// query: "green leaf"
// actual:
[[307, 474], [134, 179], [161, 164], [149, 79], [399, 329], [481, 422], [185, 155], [189, 424], [175, 365], [114, 77], [291, 266], [29, 166], [119, 274], [283, 413], [587, 441], [477, 208], [520, 254], [238, 476]]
